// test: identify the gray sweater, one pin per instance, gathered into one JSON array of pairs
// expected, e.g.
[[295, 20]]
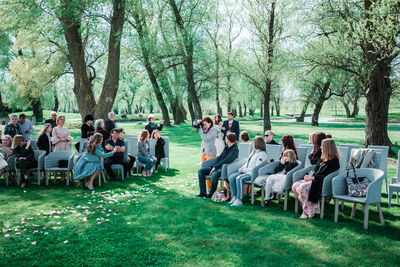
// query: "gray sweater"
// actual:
[[208, 141], [143, 149]]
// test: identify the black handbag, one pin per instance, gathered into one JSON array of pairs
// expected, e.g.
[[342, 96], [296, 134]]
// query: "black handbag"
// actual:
[[356, 186], [63, 163]]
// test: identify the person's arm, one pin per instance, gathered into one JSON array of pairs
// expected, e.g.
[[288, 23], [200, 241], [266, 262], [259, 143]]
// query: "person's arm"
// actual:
[[54, 138], [237, 130], [160, 127], [290, 167], [224, 128], [7, 130], [280, 167], [100, 153], [327, 168], [7, 150], [142, 149], [233, 154], [121, 147], [69, 137]]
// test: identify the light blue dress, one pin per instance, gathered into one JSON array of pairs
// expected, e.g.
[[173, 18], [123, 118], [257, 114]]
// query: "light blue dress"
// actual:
[[89, 164]]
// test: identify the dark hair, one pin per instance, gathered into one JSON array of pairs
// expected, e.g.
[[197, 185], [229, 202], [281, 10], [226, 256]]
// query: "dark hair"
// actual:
[[121, 130], [259, 143], [114, 130], [244, 136], [208, 120], [231, 137], [143, 135], [22, 116], [217, 119], [329, 136], [317, 141], [88, 117], [231, 113], [288, 143]]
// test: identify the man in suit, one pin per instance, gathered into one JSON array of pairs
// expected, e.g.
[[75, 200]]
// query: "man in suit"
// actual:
[[231, 125], [109, 122], [269, 138]]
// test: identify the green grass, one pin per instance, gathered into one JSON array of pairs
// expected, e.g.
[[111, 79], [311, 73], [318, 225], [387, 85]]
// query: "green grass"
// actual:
[[158, 222]]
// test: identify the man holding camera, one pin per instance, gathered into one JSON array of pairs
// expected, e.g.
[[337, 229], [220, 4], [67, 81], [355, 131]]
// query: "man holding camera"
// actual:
[[230, 153], [231, 126]]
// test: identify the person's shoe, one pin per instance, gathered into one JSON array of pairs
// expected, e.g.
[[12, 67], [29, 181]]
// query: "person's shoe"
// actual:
[[200, 195], [266, 203], [303, 216], [23, 185], [237, 203], [274, 197], [257, 193], [232, 200], [208, 196]]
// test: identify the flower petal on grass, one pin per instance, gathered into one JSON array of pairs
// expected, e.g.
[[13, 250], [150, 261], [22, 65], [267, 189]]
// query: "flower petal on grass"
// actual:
[[33, 243]]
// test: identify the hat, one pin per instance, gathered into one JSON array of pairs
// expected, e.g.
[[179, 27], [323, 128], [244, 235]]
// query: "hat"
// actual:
[[88, 117]]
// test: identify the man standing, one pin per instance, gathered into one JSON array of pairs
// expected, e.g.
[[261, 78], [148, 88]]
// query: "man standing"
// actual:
[[109, 122], [118, 157], [230, 153], [269, 138], [152, 125], [231, 125], [26, 127], [52, 120]]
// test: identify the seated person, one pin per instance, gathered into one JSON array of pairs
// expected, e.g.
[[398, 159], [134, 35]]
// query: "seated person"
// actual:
[[230, 153], [110, 122], [89, 164], [159, 149], [44, 141], [25, 157], [288, 143], [5, 149], [236, 180], [308, 191], [118, 157], [12, 128], [269, 138], [87, 129], [276, 182], [131, 159], [144, 153], [99, 127], [316, 140], [152, 125], [244, 137]]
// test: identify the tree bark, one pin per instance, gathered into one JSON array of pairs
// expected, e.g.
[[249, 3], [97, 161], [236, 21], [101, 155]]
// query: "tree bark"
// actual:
[[245, 109], [272, 110], [346, 108], [320, 102], [355, 105], [188, 49], [315, 115], [240, 110], [261, 109], [267, 119], [37, 109], [56, 102], [111, 80], [191, 110], [219, 109], [277, 101]]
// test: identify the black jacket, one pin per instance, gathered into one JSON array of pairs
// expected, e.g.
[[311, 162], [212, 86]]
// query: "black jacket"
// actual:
[[234, 129], [160, 153], [12, 130], [155, 127], [272, 142], [87, 130], [323, 169], [287, 167], [110, 124], [315, 158], [43, 143], [105, 134], [53, 123], [25, 153], [227, 156]]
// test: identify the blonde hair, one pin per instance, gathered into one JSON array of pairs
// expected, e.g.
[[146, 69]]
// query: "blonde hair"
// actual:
[[18, 139], [291, 155], [143, 135], [44, 129], [8, 138], [94, 141], [329, 150], [259, 143], [59, 118]]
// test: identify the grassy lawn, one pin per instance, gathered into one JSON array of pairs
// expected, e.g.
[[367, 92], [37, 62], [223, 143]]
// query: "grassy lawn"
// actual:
[[156, 221]]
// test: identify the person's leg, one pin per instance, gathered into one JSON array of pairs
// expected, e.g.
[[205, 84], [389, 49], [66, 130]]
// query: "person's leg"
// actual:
[[214, 181], [149, 164], [158, 161], [22, 170], [89, 184], [107, 166], [202, 173], [268, 188], [240, 182], [130, 163], [295, 189], [232, 183]]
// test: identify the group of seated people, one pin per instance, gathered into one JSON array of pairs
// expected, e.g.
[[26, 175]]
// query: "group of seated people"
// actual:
[[324, 156], [105, 141]]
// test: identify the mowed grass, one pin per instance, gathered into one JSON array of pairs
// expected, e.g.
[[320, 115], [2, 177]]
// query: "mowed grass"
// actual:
[[156, 221]]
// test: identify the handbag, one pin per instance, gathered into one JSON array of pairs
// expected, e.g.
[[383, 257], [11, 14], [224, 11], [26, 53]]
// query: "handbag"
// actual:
[[63, 163], [3, 162], [356, 186]]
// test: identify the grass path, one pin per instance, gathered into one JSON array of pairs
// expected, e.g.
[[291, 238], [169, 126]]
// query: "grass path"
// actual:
[[156, 221]]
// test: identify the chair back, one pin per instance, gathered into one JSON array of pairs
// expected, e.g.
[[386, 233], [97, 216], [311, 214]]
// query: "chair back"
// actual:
[[51, 160], [302, 154], [350, 146], [34, 143], [297, 142], [344, 158], [306, 145], [126, 152], [307, 162], [39, 157], [289, 175], [398, 168], [83, 142], [152, 146], [166, 146], [131, 136], [274, 152], [245, 149], [384, 160], [133, 147], [11, 163]]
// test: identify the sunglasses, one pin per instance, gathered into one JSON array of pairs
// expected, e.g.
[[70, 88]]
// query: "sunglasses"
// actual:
[[266, 135]]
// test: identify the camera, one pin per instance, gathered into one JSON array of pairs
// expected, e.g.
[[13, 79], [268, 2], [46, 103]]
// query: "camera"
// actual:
[[197, 125]]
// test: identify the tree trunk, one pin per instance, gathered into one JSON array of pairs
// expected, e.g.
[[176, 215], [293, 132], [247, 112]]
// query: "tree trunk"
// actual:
[[272, 111], [56, 102], [229, 104], [3, 108], [355, 105], [267, 119], [142, 31], [188, 46], [245, 109], [111, 79], [261, 110], [191, 111], [240, 110], [37, 109], [320, 102], [315, 115], [277, 101], [219, 109], [346, 108]]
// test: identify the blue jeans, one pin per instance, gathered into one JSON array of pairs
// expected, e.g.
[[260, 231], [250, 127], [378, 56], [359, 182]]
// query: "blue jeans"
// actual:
[[202, 173], [236, 182], [148, 161]]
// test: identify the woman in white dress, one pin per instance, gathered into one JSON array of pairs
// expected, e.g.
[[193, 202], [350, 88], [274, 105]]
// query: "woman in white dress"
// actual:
[[61, 137], [219, 141]]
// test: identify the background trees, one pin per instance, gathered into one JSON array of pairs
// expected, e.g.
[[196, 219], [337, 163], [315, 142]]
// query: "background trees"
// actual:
[[188, 58]]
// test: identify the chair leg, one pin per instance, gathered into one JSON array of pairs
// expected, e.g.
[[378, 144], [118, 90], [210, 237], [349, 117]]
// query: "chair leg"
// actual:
[[285, 201], [366, 213], [7, 176], [380, 213], [336, 216], [104, 177], [68, 176], [386, 184], [39, 177], [252, 194], [353, 210], [390, 194], [46, 177], [99, 178], [262, 196], [296, 205], [321, 215]]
